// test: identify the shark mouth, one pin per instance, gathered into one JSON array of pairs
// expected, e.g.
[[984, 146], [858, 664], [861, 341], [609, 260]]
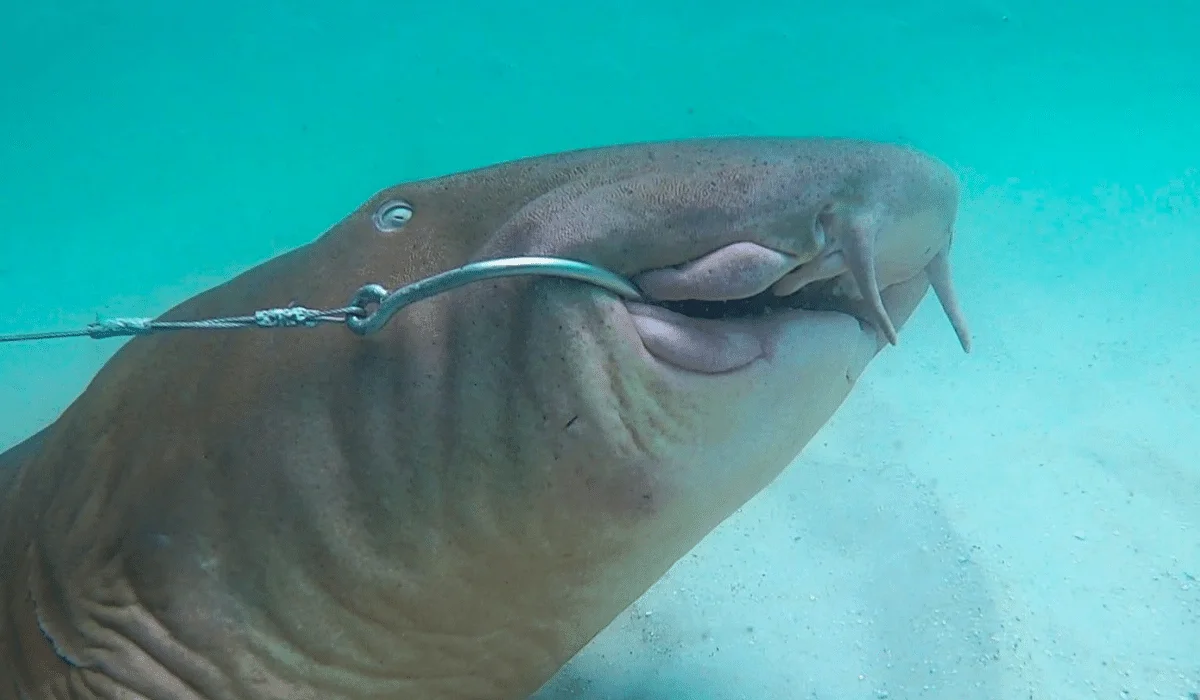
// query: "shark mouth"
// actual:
[[745, 281]]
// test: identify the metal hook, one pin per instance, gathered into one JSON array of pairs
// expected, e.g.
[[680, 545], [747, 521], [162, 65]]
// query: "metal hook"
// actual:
[[390, 304]]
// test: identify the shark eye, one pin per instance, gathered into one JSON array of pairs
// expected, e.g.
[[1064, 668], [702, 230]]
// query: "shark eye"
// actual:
[[392, 216]]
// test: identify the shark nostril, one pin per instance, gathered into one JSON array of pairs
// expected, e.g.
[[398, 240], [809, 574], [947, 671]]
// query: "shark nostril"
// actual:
[[814, 244], [829, 264]]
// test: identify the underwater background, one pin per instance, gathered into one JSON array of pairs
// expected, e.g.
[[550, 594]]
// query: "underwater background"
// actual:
[[1021, 522]]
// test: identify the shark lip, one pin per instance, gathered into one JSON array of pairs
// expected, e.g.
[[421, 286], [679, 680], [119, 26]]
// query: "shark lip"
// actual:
[[720, 311], [719, 337], [738, 321], [712, 312], [819, 296], [723, 342]]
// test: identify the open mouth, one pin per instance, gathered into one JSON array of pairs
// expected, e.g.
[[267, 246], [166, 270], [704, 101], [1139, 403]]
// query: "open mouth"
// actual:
[[719, 336], [818, 296], [717, 314]]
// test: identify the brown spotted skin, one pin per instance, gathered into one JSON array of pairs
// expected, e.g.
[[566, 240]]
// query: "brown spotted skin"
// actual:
[[453, 507]]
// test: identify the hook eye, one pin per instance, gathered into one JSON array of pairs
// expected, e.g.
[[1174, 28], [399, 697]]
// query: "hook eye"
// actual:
[[392, 216]]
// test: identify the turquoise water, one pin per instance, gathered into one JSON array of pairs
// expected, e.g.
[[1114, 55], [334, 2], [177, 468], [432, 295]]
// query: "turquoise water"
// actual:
[[1026, 523]]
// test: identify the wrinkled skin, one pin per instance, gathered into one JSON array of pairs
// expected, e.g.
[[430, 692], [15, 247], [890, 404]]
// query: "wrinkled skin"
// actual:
[[452, 507]]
